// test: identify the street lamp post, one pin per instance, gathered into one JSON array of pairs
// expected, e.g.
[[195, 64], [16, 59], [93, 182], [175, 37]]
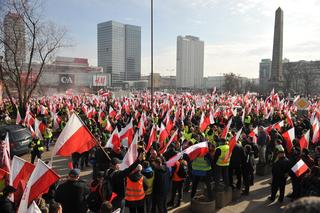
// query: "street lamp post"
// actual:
[[151, 76]]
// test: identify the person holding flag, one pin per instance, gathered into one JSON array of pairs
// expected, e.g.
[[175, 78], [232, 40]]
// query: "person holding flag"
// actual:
[[37, 148], [221, 162]]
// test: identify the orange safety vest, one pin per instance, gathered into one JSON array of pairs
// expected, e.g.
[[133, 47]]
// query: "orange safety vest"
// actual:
[[134, 190], [175, 176]]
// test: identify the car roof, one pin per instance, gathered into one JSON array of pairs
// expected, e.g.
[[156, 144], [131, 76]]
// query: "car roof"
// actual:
[[11, 127]]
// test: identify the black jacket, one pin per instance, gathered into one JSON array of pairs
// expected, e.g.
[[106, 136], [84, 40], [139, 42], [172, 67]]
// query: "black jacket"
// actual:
[[161, 181], [280, 169], [237, 156], [118, 179], [72, 196], [6, 205]]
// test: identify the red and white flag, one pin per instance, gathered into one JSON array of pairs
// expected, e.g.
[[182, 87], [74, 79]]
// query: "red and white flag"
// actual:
[[289, 136], [39, 182], [75, 137], [232, 144], [114, 141], [254, 134], [173, 138], [204, 122], [112, 112], [289, 119], [108, 127], [299, 168], [196, 150], [315, 130], [127, 133], [21, 171], [131, 155], [278, 125], [5, 151], [226, 129], [163, 135], [304, 141], [37, 129], [152, 137]]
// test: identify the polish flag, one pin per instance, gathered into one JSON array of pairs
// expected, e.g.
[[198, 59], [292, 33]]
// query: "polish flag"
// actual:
[[152, 137], [299, 168], [142, 128], [289, 136], [278, 125], [204, 122], [289, 119], [37, 129], [169, 124], [108, 127], [21, 170], [127, 133], [75, 137], [211, 117], [304, 141], [194, 151], [39, 182], [226, 129], [5, 151], [114, 141], [3, 173], [112, 112], [173, 138], [163, 135], [315, 130], [101, 115], [131, 155], [18, 119], [232, 144], [56, 121]]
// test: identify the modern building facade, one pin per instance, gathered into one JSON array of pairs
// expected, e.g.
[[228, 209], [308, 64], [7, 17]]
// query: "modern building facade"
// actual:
[[119, 51], [264, 75], [190, 60], [15, 39]]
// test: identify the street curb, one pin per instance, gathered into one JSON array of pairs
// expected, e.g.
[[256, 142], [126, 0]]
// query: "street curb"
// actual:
[[184, 207]]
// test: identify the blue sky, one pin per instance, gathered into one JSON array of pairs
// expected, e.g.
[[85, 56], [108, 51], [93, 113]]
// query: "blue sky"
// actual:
[[237, 33]]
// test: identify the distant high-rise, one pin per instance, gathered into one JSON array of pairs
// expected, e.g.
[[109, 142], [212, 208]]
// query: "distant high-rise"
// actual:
[[190, 59], [119, 50], [276, 77], [15, 41], [264, 74]]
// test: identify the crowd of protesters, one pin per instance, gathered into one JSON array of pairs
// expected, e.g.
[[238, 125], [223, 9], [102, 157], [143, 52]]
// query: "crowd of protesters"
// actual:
[[149, 184]]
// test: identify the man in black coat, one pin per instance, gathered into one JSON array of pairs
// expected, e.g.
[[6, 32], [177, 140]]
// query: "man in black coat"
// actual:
[[280, 169], [118, 180], [6, 205], [72, 194], [236, 159], [161, 186]]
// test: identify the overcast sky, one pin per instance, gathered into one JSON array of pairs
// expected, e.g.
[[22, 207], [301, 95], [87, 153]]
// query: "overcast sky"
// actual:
[[237, 33]]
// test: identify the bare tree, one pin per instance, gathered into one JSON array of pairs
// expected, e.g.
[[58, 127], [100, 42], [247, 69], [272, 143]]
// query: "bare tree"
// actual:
[[232, 82], [28, 43]]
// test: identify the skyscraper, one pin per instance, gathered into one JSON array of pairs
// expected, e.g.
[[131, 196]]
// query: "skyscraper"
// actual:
[[15, 41], [264, 74], [119, 50], [276, 77], [190, 59]]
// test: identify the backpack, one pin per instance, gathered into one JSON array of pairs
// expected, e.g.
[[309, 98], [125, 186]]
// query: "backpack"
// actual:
[[183, 170], [94, 199]]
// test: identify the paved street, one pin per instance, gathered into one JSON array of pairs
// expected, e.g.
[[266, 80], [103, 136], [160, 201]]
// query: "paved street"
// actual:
[[255, 202]]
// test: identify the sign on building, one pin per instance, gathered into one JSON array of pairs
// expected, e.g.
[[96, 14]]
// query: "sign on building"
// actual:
[[66, 79], [100, 80]]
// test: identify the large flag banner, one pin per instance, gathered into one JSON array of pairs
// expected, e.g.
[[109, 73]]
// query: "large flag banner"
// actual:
[[75, 137], [197, 150]]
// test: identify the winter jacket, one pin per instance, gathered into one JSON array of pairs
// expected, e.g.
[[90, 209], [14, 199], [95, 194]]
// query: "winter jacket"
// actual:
[[72, 196]]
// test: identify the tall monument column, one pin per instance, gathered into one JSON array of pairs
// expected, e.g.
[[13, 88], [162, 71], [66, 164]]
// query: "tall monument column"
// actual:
[[276, 78]]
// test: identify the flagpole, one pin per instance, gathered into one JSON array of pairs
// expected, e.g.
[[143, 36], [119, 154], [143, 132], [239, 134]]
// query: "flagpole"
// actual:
[[152, 55], [93, 137]]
